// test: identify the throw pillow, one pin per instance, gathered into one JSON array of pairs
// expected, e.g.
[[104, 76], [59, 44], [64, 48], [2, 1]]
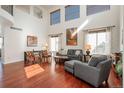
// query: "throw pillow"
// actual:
[[95, 59], [77, 52]]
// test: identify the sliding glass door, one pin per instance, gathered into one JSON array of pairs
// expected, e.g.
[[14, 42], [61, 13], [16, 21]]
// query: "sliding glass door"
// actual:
[[99, 41]]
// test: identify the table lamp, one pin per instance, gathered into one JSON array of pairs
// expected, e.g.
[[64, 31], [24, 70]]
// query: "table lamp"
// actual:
[[46, 46], [87, 47]]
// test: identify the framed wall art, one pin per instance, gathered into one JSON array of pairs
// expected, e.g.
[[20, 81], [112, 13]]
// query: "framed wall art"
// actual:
[[71, 36], [32, 41]]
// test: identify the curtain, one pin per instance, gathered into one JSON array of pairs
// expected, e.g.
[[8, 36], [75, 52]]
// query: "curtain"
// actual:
[[95, 37], [108, 40], [60, 42]]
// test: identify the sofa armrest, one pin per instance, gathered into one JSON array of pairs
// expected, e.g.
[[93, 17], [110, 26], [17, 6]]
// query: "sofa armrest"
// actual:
[[87, 73]]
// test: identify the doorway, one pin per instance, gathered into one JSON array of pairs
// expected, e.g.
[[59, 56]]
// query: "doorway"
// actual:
[[1, 49], [1, 54], [54, 45]]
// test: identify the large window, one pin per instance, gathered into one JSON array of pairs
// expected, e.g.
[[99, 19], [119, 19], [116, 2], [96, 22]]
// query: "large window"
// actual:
[[93, 9], [8, 8], [99, 41], [55, 17], [72, 12]]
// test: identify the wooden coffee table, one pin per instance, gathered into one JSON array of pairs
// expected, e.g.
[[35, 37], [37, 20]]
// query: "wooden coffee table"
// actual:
[[60, 59]]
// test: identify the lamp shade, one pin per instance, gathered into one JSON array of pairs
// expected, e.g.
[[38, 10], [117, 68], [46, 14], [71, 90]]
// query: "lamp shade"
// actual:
[[46, 44], [87, 46]]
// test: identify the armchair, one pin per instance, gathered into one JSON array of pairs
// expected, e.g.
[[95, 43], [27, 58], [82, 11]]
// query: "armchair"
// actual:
[[29, 57], [46, 56]]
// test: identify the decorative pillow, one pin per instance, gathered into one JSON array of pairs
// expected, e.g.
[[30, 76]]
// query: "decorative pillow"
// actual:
[[95, 59], [77, 52]]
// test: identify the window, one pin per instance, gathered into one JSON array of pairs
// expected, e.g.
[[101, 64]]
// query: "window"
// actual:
[[38, 12], [99, 41], [93, 9], [72, 12], [55, 17], [8, 8]]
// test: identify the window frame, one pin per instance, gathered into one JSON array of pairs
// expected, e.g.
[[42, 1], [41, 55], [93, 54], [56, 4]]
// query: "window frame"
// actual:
[[8, 8], [97, 11], [73, 18], [51, 15], [96, 36]]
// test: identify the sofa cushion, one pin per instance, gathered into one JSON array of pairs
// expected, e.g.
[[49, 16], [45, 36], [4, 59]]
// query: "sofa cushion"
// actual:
[[96, 59], [71, 63]]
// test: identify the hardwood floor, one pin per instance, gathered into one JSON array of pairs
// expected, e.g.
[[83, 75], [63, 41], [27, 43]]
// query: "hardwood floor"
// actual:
[[52, 76]]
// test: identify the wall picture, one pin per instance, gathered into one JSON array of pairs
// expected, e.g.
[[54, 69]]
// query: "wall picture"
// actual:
[[32, 41], [71, 36]]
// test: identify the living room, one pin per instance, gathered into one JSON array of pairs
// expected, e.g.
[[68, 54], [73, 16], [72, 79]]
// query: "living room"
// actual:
[[93, 29]]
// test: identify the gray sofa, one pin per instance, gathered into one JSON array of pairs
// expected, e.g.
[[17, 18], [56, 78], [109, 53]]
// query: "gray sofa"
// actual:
[[69, 65], [75, 54], [94, 73]]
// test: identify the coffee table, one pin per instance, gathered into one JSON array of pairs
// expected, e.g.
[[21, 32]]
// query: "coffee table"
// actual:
[[60, 59]]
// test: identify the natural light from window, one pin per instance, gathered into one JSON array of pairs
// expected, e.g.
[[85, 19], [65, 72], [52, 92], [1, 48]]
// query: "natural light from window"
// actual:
[[98, 42], [33, 70], [54, 43], [81, 27]]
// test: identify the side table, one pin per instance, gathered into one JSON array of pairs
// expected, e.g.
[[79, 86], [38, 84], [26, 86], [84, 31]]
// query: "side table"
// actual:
[[87, 57]]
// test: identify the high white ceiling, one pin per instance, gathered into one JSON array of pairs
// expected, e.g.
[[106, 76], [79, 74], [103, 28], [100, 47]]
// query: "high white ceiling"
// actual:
[[49, 6], [44, 6]]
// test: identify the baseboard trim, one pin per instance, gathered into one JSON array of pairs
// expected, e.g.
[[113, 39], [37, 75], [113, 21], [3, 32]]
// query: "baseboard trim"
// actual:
[[13, 62]]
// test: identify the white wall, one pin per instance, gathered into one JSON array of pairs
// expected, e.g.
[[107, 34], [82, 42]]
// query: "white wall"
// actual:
[[15, 42], [122, 29], [102, 19]]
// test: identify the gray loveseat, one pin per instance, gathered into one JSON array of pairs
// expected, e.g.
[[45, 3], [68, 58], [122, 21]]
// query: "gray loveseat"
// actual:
[[75, 54]]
